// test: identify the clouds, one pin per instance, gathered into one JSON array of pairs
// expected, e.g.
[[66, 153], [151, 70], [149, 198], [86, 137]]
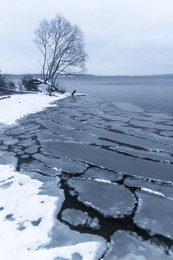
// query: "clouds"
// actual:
[[122, 36]]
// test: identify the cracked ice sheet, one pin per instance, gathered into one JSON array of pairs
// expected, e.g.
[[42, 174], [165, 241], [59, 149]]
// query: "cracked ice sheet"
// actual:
[[125, 106], [26, 220], [128, 246]]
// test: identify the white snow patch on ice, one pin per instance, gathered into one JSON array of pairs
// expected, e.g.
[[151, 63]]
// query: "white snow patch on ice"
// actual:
[[153, 192], [21, 206], [17, 106], [102, 180], [87, 250], [79, 94], [26, 221], [157, 193]]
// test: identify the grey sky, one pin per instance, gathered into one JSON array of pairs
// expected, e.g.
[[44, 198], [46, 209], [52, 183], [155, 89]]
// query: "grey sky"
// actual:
[[122, 36]]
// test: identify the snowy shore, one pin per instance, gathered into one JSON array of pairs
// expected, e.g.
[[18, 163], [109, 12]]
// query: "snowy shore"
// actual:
[[27, 208], [27, 216], [16, 106]]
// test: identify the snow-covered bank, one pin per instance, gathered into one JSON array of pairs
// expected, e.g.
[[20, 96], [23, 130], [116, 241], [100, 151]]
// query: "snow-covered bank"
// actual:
[[29, 228], [17, 106], [26, 220]]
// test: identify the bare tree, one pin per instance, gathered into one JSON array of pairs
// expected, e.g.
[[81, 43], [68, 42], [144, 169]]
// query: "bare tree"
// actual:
[[62, 47]]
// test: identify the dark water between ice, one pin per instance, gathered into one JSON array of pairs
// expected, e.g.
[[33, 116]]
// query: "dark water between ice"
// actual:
[[113, 150]]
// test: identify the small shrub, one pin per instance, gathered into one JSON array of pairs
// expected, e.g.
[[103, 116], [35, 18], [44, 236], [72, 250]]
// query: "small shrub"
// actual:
[[30, 83], [6, 86], [61, 90]]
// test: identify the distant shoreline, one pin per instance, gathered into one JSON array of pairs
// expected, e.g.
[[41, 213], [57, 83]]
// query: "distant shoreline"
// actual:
[[92, 75]]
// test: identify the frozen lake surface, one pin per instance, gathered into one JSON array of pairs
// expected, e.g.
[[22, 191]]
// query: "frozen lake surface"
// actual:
[[105, 160]]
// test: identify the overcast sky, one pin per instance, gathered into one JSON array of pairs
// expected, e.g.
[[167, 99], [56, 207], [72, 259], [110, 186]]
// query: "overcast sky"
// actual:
[[131, 37]]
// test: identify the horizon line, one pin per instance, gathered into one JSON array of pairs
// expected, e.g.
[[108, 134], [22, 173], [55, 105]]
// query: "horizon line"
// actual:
[[97, 75]]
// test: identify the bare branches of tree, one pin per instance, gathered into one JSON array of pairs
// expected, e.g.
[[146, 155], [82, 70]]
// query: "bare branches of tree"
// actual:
[[62, 47]]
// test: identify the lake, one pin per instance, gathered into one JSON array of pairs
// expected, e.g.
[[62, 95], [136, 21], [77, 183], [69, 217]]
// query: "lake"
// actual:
[[112, 150], [152, 93]]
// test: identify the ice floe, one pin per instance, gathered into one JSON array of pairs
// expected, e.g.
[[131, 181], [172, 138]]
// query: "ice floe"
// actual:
[[125, 106]]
